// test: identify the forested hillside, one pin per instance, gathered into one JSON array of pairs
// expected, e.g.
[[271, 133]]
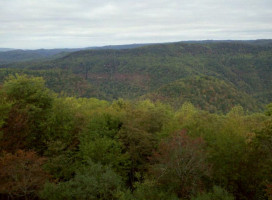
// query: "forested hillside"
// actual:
[[206, 93], [243, 68], [54, 147]]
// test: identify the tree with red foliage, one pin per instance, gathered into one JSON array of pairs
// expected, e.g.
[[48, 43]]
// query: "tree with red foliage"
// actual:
[[180, 164], [21, 174]]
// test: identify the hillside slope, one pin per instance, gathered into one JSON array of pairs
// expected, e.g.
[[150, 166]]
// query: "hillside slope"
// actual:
[[206, 93]]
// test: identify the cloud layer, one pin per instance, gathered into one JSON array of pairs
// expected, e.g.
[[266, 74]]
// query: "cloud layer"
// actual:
[[82, 23]]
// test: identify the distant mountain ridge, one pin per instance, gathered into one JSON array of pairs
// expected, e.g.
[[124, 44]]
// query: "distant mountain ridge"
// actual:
[[6, 49], [21, 55], [255, 42], [9, 55]]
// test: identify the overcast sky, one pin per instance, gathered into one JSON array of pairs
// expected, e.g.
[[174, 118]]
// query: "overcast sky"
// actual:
[[82, 23]]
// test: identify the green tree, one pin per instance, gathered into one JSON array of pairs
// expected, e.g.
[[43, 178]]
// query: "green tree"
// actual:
[[31, 105], [91, 182], [99, 143], [140, 133]]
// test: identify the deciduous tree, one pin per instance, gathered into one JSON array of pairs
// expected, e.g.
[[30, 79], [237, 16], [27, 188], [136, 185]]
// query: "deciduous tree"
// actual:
[[21, 174]]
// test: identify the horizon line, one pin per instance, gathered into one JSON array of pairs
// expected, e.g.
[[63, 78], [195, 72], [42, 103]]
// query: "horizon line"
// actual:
[[124, 44]]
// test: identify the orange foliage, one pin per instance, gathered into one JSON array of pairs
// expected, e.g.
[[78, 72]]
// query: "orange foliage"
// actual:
[[21, 174], [180, 164]]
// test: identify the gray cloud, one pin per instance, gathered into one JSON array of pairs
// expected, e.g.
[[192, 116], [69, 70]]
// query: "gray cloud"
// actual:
[[82, 23]]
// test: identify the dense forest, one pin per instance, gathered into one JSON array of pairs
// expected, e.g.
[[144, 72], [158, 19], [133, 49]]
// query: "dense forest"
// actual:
[[55, 147], [188, 121]]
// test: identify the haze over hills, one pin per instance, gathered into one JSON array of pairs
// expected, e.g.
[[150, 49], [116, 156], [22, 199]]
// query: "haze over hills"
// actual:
[[241, 70], [9, 55], [5, 49], [20, 55]]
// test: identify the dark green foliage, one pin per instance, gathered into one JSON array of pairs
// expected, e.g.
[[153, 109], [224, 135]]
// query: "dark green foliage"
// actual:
[[5, 106], [139, 134], [90, 182], [62, 167], [99, 143]]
